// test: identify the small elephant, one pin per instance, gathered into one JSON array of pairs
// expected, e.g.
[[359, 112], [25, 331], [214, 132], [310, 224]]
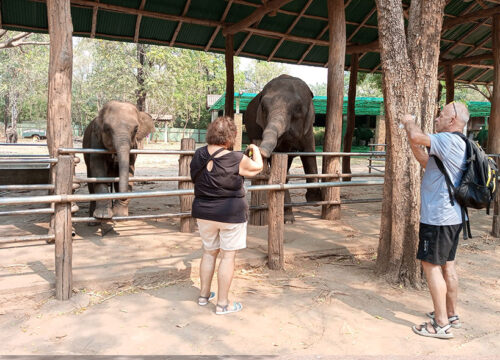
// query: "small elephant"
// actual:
[[118, 127], [280, 118], [11, 135]]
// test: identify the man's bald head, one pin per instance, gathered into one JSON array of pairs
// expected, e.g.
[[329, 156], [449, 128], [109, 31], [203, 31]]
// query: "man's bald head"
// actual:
[[453, 117]]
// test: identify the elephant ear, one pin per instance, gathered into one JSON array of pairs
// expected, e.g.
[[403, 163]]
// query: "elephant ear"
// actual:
[[259, 118], [146, 125]]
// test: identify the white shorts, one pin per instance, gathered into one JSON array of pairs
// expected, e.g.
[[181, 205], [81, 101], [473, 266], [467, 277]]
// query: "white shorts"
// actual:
[[219, 235]]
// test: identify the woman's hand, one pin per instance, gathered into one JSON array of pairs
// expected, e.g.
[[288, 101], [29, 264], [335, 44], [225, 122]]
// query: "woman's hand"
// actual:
[[252, 164]]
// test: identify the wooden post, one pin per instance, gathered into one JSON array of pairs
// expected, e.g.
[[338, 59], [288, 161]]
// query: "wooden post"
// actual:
[[450, 83], [187, 223], [229, 111], [238, 121], [351, 115], [335, 99], [258, 198], [380, 132], [276, 227], [59, 134], [494, 120]]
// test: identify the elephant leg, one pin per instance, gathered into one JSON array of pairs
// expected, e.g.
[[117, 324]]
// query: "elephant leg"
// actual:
[[289, 218], [120, 206], [99, 168], [310, 167]]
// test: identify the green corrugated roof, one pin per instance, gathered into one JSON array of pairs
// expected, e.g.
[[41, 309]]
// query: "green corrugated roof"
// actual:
[[364, 105], [202, 21]]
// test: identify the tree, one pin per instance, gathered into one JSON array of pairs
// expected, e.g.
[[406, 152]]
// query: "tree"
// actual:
[[261, 73], [23, 76], [410, 68]]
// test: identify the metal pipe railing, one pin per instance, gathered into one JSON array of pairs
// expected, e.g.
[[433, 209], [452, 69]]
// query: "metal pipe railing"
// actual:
[[26, 238], [29, 161], [132, 217], [27, 187], [27, 212], [147, 194], [188, 178]]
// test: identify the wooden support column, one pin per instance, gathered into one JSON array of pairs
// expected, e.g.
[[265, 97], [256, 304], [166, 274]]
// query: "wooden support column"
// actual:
[[238, 121], [276, 227], [259, 198], [335, 99], [187, 223], [351, 115], [380, 132], [59, 134], [229, 111], [450, 83], [494, 120]]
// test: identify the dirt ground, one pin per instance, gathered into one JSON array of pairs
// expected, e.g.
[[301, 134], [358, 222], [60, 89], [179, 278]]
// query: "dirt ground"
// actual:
[[324, 302]]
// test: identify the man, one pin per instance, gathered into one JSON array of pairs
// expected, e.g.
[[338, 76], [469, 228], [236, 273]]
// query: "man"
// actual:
[[440, 222]]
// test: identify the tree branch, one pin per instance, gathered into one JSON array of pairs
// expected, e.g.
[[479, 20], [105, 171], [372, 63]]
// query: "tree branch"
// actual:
[[17, 40]]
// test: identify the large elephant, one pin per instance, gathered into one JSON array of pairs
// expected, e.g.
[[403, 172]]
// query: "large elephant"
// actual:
[[280, 118], [118, 127]]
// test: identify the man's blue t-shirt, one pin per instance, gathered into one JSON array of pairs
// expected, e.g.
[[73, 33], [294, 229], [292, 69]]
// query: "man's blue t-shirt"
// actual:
[[435, 206]]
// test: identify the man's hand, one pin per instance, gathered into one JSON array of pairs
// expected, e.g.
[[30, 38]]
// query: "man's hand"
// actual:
[[408, 119]]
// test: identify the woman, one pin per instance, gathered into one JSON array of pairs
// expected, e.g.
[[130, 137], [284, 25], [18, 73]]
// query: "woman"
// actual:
[[220, 207]]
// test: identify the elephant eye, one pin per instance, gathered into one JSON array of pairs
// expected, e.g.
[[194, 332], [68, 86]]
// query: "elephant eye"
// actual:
[[135, 129], [106, 128]]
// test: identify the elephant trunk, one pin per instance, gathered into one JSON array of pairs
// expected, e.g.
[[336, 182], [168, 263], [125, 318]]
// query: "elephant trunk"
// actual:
[[276, 127], [123, 155]]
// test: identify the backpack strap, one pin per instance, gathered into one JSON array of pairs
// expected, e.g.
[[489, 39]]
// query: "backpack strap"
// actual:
[[195, 176], [449, 184]]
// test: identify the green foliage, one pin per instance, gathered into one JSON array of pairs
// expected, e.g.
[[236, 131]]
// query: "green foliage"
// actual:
[[363, 133], [319, 135], [260, 74]]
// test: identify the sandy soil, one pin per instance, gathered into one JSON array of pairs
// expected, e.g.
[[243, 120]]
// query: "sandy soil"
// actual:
[[319, 305]]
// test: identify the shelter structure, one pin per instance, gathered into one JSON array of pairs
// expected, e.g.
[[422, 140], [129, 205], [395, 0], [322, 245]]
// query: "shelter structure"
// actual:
[[337, 34]]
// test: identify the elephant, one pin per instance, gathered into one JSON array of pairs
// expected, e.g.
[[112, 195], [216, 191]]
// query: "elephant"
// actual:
[[11, 135], [280, 118], [118, 127]]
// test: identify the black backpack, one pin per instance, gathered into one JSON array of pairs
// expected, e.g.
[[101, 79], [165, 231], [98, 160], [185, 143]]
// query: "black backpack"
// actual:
[[479, 181]]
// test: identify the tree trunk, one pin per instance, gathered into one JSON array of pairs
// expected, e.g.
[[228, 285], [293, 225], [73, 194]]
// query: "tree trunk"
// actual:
[[6, 112], [494, 120], [351, 115], [59, 134], [410, 69], [141, 91], [335, 101], [229, 110]]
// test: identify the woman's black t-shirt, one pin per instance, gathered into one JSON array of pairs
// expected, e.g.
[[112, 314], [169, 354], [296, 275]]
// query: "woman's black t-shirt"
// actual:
[[219, 193]]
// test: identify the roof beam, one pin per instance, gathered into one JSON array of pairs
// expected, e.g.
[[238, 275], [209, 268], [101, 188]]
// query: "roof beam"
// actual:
[[307, 16], [94, 21], [178, 28], [257, 15], [325, 29], [480, 14], [150, 14], [138, 21], [478, 75], [370, 14], [466, 60], [463, 37], [217, 29], [243, 43], [476, 47], [290, 28]]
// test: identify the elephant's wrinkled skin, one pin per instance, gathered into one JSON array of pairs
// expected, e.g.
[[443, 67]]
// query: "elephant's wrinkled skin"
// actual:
[[280, 118], [118, 127]]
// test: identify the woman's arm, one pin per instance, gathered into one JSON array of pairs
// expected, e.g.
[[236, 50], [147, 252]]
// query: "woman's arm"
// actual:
[[253, 166]]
